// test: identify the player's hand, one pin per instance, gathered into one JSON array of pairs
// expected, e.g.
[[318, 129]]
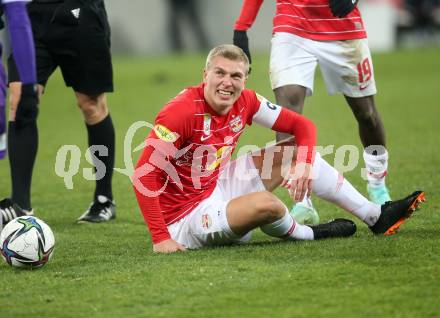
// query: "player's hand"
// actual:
[[241, 40], [340, 8], [299, 181], [168, 246]]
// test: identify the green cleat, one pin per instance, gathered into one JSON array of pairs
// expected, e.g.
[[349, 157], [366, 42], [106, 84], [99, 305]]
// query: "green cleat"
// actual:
[[304, 214], [378, 195]]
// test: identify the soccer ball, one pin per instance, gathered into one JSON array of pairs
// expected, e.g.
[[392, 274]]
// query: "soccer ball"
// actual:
[[27, 242]]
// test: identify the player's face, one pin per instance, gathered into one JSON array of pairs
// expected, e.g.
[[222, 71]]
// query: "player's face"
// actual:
[[224, 81]]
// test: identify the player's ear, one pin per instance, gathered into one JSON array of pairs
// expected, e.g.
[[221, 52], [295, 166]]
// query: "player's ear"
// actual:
[[204, 75]]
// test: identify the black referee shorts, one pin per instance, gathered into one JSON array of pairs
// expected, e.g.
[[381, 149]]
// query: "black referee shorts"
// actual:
[[74, 35]]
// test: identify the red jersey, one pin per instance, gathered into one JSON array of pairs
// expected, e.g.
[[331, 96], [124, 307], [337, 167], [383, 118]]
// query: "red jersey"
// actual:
[[311, 19], [191, 144]]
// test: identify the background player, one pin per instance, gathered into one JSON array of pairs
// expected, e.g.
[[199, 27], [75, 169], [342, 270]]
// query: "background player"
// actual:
[[75, 36], [191, 194], [24, 100], [330, 33]]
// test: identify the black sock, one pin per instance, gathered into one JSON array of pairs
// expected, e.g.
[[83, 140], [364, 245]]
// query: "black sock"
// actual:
[[103, 133], [22, 148]]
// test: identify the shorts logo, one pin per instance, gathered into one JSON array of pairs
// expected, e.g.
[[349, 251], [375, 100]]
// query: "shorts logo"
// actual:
[[364, 86], [164, 133], [75, 12], [236, 124], [206, 221]]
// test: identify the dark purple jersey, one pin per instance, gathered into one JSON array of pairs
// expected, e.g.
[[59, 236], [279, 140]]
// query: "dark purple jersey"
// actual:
[[23, 50]]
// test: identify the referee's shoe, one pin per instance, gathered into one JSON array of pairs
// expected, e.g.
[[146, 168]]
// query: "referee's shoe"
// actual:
[[101, 210], [10, 210]]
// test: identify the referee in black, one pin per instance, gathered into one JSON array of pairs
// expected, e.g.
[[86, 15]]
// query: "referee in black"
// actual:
[[74, 35]]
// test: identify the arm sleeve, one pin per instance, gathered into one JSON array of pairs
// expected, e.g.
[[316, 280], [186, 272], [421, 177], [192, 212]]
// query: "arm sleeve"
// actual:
[[147, 176], [248, 14], [304, 131], [284, 120], [164, 141], [22, 42]]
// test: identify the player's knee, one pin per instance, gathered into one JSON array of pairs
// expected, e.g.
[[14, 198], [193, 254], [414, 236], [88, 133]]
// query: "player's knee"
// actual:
[[291, 96], [367, 116], [94, 108], [269, 207]]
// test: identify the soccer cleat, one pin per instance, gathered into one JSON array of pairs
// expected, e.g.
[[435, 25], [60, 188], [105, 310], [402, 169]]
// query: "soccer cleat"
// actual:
[[10, 210], [334, 228], [305, 214], [378, 195], [101, 210], [394, 213]]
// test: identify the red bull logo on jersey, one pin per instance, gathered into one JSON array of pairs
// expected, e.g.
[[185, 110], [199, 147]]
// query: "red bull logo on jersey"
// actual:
[[206, 221], [163, 133], [236, 124]]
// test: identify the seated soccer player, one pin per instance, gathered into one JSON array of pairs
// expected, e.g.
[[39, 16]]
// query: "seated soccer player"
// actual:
[[192, 195]]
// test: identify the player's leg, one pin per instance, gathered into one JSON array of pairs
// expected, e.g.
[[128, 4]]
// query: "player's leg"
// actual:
[[101, 139], [22, 130], [8, 209], [82, 47], [372, 134], [347, 68], [328, 184], [3, 143], [292, 71], [260, 208], [381, 219], [242, 202], [90, 89]]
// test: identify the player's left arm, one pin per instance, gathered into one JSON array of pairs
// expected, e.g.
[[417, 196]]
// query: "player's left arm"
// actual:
[[299, 181], [285, 120]]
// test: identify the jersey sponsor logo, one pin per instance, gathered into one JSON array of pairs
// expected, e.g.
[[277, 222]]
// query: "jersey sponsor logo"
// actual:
[[164, 133], [236, 124], [206, 221]]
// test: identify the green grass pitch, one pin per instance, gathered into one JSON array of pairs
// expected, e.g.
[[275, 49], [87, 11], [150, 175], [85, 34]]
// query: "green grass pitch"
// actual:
[[109, 270]]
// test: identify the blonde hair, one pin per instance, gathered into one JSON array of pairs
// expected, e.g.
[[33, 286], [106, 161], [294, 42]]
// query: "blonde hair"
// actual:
[[230, 52]]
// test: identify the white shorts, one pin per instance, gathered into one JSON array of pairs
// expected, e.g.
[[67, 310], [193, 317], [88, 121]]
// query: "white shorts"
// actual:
[[207, 224], [345, 65]]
